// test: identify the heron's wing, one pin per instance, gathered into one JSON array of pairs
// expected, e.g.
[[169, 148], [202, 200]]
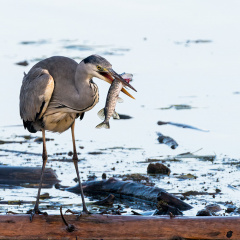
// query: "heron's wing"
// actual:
[[36, 92]]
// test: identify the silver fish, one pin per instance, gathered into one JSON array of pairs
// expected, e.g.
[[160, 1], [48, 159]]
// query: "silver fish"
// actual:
[[112, 99]]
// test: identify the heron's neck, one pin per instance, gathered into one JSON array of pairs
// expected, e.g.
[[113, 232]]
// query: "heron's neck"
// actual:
[[86, 91], [82, 78]]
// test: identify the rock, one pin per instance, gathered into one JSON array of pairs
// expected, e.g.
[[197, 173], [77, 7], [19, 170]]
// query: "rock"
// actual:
[[75, 179], [158, 168], [108, 201], [91, 177], [104, 176], [187, 176], [44, 196], [204, 212], [134, 177], [230, 208], [213, 208], [165, 209]]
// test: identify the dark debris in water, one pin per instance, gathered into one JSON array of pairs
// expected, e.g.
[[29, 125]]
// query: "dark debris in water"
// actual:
[[27, 137], [108, 201], [178, 107], [40, 140], [167, 140], [22, 63], [200, 157], [180, 125], [79, 47], [188, 176], [8, 142], [198, 41], [95, 153], [166, 209], [119, 148], [34, 42], [91, 177], [136, 177], [110, 53], [196, 193]]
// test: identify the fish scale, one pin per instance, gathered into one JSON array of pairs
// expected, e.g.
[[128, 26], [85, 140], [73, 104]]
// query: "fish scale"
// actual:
[[112, 98]]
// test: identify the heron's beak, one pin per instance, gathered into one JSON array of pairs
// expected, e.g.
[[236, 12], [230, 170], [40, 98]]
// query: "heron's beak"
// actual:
[[110, 75]]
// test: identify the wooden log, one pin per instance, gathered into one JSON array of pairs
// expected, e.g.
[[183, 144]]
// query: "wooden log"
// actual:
[[119, 227], [131, 190], [26, 175]]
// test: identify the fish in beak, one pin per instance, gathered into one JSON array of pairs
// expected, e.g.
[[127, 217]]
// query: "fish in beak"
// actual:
[[110, 75]]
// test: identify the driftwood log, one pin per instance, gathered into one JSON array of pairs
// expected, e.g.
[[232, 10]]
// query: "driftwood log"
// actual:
[[134, 190], [119, 227], [26, 175]]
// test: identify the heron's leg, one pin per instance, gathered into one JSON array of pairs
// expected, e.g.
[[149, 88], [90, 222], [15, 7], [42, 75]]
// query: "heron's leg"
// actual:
[[44, 158], [75, 161]]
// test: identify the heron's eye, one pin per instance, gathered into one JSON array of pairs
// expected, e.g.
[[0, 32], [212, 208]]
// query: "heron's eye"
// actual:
[[99, 68]]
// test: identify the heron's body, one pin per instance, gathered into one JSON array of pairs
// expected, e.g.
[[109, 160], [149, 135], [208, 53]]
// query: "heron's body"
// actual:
[[63, 97], [55, 92]]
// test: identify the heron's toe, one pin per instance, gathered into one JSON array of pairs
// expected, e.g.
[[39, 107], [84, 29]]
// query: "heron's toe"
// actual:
[[32, 213]]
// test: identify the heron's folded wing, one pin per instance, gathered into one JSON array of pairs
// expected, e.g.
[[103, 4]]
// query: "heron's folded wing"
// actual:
[[36, 92]]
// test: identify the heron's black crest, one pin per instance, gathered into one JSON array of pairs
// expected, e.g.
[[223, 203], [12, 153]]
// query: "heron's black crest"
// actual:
[[96, 59]]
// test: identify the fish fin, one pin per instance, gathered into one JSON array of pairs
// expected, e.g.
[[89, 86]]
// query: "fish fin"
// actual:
[[127, 76], [101, 114], [115, 115], [103, 124], [120, 100]]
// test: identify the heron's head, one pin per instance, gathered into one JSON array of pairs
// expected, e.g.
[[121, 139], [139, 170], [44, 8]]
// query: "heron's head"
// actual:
[[99, 67]]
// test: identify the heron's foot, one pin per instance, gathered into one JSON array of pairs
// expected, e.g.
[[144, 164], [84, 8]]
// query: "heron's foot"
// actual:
[[34, 211], [79, 214]]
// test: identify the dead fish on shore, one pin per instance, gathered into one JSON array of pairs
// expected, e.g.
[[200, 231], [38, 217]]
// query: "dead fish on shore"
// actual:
[[112, 98]]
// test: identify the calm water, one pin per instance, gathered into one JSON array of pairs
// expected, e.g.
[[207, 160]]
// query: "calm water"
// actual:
[[157, 42]]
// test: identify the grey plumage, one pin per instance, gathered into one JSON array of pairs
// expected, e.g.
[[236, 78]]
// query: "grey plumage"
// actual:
[[95, 59], [55, 92]]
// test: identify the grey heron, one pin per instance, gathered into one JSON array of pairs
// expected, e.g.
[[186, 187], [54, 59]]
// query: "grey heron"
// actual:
[[55, 92]]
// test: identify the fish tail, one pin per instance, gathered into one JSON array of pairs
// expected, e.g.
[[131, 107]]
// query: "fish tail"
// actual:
[[103, 125]]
